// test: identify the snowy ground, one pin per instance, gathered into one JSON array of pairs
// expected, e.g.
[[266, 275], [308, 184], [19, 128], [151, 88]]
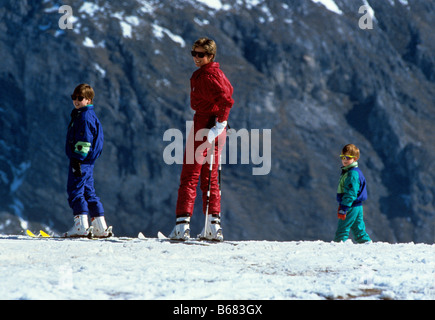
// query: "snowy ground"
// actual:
[[248, 270]]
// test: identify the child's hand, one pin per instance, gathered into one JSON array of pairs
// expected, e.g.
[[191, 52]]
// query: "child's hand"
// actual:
[[342, 212]]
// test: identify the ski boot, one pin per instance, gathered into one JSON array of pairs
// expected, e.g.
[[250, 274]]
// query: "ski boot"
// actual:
[[80, 229], [181, 230], [214, 229], [100, 229]]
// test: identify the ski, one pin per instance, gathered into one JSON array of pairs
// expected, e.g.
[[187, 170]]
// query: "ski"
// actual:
[[43, 235], [197, 241], [162, 238], [31, 234]]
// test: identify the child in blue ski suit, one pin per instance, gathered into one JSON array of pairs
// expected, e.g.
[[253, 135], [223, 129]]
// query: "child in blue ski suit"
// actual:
[[351, 193], [84, 144]]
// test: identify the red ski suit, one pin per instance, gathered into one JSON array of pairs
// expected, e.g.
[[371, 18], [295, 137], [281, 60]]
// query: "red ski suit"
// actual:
[[211, 98]]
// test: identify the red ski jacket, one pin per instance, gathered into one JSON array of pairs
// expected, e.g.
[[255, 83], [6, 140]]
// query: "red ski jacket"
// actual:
[[211, 92]]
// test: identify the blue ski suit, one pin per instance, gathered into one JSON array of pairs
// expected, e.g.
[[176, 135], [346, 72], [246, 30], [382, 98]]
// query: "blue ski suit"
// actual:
[[84, 144], [351, 193]]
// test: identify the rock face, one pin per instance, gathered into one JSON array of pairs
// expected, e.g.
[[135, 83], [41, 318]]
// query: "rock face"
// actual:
[[308, 73]]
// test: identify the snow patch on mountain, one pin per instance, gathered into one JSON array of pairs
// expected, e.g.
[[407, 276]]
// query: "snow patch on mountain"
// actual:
[[160, 32], [330, 5]]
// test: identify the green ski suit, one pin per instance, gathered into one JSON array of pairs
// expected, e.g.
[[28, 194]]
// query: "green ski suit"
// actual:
[[351, 193]]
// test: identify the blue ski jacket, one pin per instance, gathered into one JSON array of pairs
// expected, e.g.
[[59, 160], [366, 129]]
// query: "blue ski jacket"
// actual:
[[84, 140], [352, 189]]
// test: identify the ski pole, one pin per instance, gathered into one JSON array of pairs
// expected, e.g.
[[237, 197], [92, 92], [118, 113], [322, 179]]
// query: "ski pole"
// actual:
[[209, 187], [220, 175]]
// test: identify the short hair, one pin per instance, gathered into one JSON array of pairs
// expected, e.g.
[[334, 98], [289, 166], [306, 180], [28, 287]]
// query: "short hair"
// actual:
[[84, 90], [208, 45], [350, 150]]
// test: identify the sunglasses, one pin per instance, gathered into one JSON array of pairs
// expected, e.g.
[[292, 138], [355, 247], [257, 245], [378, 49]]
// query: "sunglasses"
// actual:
[[346, 157], [80, 98], [199, 54]]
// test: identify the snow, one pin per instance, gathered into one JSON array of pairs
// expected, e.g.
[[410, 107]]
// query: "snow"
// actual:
[[159, 32], [88, 42], [126, 29], [330, 5], [146, 6], [217, 5], [100, 70], [133, 20], [53, 9], [90, 8], [214, 4], [201, 23], [149, 269]]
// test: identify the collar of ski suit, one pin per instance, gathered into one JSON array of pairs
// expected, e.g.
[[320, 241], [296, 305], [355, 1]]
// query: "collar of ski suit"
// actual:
[[210, 65], [82, 109], [208, 68], [88, 107], [352, 165]]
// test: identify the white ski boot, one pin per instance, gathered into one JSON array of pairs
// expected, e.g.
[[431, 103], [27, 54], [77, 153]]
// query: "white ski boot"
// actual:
[[100, 229], [181, 230], [80, 229], [214, 230]]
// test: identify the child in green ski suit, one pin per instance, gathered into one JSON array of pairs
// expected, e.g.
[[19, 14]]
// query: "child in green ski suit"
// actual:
[[351, 192]]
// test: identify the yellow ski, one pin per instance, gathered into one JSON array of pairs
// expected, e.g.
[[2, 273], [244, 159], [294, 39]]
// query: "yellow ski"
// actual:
[[43, 234], [31, 234]]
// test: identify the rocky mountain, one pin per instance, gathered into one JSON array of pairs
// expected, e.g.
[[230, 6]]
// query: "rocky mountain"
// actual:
[[317, 74]]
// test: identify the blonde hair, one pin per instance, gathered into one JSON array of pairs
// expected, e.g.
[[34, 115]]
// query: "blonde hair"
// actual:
[[208, 45], [351, 150]]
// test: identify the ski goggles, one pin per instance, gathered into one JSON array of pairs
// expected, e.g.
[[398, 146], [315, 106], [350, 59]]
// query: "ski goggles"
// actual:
[[74, 97], [346, 157], [199, 54]]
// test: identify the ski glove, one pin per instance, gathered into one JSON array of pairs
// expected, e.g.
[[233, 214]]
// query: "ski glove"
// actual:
[[216, 131], [342, 212], [76, 167]]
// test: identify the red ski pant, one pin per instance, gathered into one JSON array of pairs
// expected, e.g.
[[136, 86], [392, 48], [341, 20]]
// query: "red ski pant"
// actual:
[[196, 166]]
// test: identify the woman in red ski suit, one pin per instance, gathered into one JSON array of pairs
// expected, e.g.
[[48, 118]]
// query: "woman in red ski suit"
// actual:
[[211, 98]]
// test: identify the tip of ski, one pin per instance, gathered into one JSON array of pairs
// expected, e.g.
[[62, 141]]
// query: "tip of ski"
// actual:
[[31, 234], [161, 236], [41, 234]]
